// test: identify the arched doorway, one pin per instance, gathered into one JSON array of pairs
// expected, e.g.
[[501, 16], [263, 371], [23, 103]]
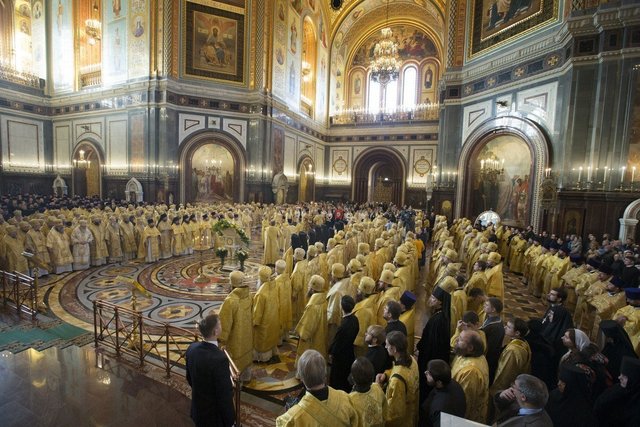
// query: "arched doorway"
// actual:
[[379, 176], [212, 169], [87, 179], [501, 168], [307, 174]]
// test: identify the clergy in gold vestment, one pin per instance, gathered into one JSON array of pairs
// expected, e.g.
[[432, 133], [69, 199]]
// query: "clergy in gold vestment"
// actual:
[[164, 227], [365, 312], [471, 371], [516, 253], [339, 288], [629, 317], [81, 238], [368, 399], [12, 249], [515, 358], [321, 405], [495, 280], [298, 285], [36, 243], [128, 238], [402, 383], [58, 246], [606, 304], [266, 317], [98, 245], [312, 328], [283, 287], [149, 248], [112, 239], [407, 301], [271, 248], [387, 292], [237, 325]]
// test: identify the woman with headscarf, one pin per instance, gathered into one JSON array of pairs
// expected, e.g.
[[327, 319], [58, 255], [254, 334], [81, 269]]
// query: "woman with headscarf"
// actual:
[[575, 341], [570, 404], [616, 345], [434, 342]]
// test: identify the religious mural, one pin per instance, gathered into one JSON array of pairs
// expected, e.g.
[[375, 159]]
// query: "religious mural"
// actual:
[[62, 46], [500, 180], [212, 170], [495, 21], [214, 43], [412, 44]]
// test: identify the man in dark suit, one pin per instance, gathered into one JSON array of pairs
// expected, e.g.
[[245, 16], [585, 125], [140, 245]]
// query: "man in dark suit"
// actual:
[[341, 349], [523, 403], [208, 376]]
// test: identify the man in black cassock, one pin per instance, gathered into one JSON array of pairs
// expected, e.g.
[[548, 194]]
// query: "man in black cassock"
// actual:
[[434, 342], [341, 349], [494, 331], [556, 321]]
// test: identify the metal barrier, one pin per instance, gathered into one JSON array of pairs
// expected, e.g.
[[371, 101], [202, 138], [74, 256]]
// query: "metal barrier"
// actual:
[[21, 290], [128, 332]]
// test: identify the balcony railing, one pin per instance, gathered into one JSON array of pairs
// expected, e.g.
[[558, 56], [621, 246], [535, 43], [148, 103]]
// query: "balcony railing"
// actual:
[[361, 116], [20, 291], [128, 332], [10, 74]]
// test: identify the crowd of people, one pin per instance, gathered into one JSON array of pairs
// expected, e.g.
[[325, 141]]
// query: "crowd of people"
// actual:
[[343, 280]]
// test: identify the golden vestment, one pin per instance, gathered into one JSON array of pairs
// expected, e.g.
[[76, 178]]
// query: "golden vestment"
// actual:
[[402, 395], [237, 327], [472, 373], [515, 359], [370, 406], [266, 318], [312, 328], [310, 412]]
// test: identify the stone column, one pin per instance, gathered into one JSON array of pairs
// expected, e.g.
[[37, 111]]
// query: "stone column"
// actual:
[[627, 228]]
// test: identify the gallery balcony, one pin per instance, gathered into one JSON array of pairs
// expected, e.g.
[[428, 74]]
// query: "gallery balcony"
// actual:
[[402, 116]]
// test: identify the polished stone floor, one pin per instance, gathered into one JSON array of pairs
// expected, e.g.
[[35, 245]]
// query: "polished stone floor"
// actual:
[[77, 386]]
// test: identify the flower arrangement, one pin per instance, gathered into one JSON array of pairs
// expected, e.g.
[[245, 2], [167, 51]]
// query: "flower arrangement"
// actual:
[[224, 224], [222, 252], [242, 255]]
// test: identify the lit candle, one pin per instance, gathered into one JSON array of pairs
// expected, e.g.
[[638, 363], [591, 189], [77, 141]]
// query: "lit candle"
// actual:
[[580, 174], [589, 174], [481, 164], [633, 173], [622, 169], [604, 180]]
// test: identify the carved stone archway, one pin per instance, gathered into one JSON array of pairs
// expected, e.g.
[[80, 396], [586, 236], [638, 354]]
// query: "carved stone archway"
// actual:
[[376, 159], [133, 191], [514, 125], [629, 221], [59, 187]]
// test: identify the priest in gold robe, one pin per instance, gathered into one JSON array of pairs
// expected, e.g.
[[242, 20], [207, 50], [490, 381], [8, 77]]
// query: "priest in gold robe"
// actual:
[[321, 405], [515, 358], [312, 328], [81, 238], [283, 287], [149, 248], [629, 317], [58, 246], [36, 243], [266, 317], [237, 324], [11, 249], [471, 371]]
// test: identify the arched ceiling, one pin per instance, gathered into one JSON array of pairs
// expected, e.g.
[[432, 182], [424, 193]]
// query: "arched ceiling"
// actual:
[[358, 19]]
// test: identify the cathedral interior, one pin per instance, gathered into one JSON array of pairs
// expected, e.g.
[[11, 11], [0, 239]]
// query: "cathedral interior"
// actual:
[[524, 107]]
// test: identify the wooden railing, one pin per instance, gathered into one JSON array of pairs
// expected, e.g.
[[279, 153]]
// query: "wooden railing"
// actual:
[[20, 290], [149, 341]]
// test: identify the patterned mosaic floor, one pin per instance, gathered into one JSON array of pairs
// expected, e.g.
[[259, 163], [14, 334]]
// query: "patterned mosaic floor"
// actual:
[[179, 300]]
